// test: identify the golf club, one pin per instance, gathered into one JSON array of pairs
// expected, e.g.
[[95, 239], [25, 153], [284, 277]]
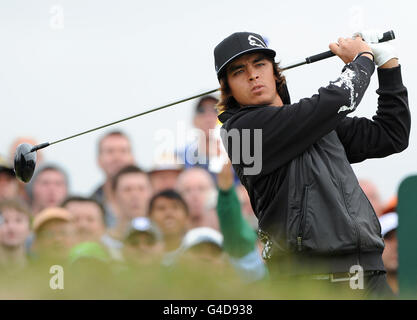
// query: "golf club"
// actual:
[[25, 156]]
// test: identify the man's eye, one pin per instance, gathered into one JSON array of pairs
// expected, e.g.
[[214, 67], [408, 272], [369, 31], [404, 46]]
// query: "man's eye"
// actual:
[[260, 64], [237, 72]]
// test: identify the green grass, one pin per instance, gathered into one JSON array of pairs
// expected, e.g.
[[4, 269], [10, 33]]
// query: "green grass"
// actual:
[[206, 282]]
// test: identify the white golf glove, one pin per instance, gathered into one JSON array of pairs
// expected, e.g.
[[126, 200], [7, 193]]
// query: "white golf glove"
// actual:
[[383, 51]]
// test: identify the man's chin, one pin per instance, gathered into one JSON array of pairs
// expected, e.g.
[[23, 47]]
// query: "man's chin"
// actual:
[[263, 102], [135, 213], [85, 238]]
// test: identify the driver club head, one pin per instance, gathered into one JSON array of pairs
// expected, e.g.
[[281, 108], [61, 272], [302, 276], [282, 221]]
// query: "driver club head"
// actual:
[[24, 162]]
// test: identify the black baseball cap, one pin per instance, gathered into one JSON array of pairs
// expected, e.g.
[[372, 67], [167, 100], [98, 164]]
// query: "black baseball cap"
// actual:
[[236, 45], [6, 167]]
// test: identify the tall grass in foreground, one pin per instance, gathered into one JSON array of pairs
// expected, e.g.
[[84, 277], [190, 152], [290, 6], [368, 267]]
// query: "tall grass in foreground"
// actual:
[[92, 280]]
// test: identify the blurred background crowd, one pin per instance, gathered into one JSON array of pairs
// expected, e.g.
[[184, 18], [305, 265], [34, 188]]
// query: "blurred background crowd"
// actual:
[[177, 212]]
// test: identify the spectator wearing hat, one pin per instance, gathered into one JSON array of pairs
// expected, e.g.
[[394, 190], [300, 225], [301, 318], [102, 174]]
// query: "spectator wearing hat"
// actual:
[[389, 225], [8, 182], [198, 189], [14, 229], [114, 153], [203, 245], [240, 238], [91, 269], [391, 205], [48, 188], [54, 234], [90, 262], [143, 242], [169, 211], [165, 172]]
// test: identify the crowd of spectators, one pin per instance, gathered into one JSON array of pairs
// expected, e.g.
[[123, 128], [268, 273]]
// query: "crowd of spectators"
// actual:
[[172, 214]]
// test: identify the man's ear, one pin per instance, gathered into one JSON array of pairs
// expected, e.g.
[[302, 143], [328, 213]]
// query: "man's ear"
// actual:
[[223, 86], [275, 76], [284, 94]]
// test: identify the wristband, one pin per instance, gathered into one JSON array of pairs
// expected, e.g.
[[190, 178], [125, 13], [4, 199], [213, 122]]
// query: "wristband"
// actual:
[[363, 52]]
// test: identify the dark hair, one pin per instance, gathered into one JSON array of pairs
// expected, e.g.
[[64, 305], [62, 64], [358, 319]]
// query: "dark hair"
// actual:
[[109, 134], [202, 100], [50, 167], [126, 170], [8, 171], [84, 199], [168, 194], [227, 101]]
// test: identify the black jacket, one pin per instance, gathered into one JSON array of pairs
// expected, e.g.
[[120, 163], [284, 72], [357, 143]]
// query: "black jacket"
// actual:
[[310, 207]]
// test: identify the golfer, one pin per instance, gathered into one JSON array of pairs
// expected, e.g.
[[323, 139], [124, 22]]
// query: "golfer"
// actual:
[[314, 218]]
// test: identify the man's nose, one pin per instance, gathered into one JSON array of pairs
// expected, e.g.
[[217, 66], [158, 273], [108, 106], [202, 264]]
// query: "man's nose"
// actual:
[[253, 74], [83, 225]]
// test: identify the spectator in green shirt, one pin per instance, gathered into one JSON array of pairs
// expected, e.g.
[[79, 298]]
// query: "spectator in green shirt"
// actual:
[[239, 238]]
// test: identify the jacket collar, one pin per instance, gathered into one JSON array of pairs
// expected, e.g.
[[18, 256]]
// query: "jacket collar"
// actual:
[[227, 114]]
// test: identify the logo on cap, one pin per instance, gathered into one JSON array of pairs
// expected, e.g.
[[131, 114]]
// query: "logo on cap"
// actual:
[[256, 42]]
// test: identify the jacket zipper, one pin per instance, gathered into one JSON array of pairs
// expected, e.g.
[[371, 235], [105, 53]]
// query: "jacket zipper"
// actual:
[[353, 219], [302, 219]]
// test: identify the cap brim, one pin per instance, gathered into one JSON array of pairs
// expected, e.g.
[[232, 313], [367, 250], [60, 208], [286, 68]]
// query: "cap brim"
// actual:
[[9, 171], [389, 222], [50, 214], [167, 168], [221, 70], [134, 232]]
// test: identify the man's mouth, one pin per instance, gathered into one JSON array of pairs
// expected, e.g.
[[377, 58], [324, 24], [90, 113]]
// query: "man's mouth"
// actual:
[[257, 88], [170, 222]]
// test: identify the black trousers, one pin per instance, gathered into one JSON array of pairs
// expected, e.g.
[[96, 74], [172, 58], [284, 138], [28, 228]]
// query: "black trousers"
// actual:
[[375, 287]]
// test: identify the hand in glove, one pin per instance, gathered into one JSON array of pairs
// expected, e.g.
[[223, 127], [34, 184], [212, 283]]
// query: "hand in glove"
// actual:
[[383, 51]]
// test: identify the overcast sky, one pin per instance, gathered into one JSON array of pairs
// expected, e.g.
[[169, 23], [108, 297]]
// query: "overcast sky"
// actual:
[[67, 66]]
